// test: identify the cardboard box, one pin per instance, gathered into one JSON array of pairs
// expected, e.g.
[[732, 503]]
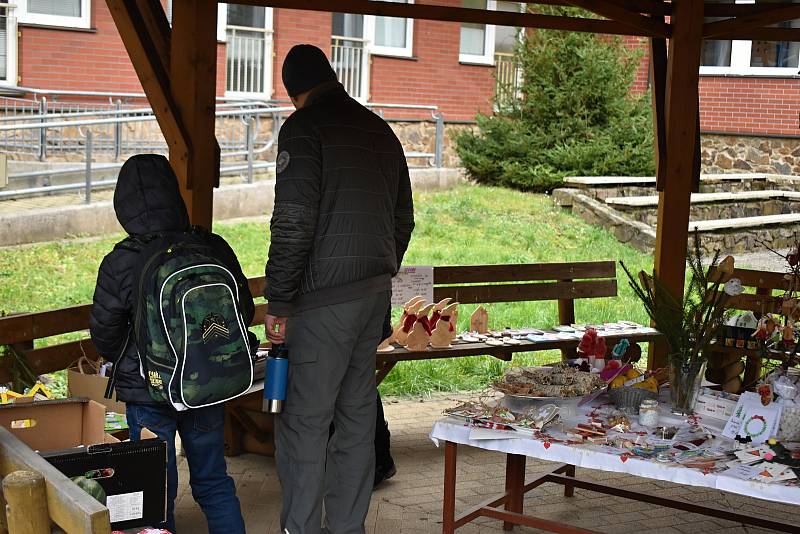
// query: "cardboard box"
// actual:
[[132, 473], [57, 424]]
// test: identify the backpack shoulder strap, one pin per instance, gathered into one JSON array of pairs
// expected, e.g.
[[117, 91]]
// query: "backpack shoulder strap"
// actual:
[[135, 243]]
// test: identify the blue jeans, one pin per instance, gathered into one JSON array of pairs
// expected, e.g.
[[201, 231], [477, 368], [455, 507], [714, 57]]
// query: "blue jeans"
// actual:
[[201, 434]]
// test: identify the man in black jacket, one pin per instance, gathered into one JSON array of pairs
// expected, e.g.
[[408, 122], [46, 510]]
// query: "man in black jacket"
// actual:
[[342, 221], [147, 201]]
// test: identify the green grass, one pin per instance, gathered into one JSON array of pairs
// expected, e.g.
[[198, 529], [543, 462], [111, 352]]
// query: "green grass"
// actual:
[[467, 225]]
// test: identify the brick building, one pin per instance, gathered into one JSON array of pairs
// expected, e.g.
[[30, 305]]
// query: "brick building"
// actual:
[[749, 90]]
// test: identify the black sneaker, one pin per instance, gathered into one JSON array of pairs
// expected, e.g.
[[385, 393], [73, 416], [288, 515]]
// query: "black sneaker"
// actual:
[[383, 473]]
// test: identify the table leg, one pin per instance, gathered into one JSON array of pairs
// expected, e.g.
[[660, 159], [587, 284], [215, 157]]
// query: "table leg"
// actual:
[[449, 502], [515, 482], [569, 490]]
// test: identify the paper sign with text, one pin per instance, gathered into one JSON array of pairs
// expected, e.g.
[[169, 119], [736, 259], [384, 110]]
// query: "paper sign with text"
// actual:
[[410, 282]]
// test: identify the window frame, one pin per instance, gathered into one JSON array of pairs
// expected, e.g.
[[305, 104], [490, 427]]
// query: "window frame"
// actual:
[[84, 22], [11, 48], [407, 51], [741, 55], [488, 43], [269, 32]]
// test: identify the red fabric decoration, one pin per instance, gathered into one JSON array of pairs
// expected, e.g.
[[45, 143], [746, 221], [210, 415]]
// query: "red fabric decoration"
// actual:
[[426, 324], [435, 318], [600, 348], [449, 324], [408, 322], [588, 342]]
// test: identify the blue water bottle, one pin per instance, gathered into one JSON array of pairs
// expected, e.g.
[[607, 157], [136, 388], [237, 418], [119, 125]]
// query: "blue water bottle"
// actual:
[[275, 379]]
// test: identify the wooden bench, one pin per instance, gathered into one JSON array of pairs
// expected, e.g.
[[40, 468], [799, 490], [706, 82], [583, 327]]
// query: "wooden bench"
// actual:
[[492, 284], [248, 429]]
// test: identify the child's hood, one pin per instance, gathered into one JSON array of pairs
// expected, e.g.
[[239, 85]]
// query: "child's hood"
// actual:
[[147, 198]]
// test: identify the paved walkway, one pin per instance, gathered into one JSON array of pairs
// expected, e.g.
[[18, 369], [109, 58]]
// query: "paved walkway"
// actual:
[[410, 503]]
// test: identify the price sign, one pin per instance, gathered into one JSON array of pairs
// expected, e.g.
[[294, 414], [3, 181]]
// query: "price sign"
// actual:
[[412, 281]]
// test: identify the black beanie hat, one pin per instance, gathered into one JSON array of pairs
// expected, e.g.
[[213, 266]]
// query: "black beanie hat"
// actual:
[[304, 68]]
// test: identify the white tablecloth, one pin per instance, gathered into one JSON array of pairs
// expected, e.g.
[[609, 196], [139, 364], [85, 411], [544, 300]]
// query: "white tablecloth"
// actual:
[[592, 457]]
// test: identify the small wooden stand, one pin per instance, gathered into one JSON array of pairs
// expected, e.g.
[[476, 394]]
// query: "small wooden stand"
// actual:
[[479, 321]]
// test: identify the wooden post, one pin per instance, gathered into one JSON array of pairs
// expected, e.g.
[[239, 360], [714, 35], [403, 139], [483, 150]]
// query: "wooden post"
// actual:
[[449, 497], [193, 82], [566, 316], [3, 517], [672, 232], [27, 503], [515, 485]]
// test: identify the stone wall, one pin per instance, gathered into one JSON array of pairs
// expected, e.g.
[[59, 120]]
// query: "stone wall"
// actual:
[[717, 210], [416, 136], [729, 153]]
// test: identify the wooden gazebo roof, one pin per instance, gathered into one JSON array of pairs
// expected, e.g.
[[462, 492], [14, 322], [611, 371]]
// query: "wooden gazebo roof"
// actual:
[[177, 68]]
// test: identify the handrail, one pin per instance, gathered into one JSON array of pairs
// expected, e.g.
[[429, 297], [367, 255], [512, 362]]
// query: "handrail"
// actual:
[[121, 120]]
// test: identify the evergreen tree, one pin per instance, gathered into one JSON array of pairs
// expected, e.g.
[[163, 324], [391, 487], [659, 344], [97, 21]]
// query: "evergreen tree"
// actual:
[[575, 115]]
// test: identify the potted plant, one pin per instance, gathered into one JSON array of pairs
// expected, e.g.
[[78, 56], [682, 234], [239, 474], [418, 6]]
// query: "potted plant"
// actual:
[[690, 324]]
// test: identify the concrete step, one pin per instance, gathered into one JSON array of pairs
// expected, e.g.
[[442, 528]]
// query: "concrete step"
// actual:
[[651, 201], [611, 181], [743, 222]]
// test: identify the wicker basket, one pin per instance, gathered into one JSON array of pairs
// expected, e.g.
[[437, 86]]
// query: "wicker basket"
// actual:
[[629, 398]]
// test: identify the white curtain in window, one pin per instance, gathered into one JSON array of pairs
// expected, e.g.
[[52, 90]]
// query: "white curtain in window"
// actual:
[[62, 8], [473, 36], [473, 39], [391, 31]]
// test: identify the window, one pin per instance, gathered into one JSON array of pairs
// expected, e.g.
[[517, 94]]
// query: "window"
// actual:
[[481, 42], [66, 13], [750, 57], [390, 36], [8, 46], [248, 50], [222, 13], [477, 40]]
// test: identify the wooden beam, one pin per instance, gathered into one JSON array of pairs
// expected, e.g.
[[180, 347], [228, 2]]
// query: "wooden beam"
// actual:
[[69, 506], [741, 10], [146, 57], [769, 34], [624, 15], [193, 71], [733, 27], [158, 29], [658, 87], [457, 14], [683, 65]]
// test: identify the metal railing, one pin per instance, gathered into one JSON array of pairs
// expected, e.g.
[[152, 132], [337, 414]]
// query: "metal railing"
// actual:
[[350, 61], [248, 51], [508, 80], [88, 134]]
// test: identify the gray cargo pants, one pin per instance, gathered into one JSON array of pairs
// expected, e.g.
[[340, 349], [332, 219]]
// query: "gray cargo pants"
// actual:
[[331, 378]]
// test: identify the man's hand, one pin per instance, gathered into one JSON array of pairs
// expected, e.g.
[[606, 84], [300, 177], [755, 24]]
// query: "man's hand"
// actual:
[[276, 328]]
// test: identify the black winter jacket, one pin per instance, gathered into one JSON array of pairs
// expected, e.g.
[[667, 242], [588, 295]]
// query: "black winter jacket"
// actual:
[[146, 200], [343, 212]]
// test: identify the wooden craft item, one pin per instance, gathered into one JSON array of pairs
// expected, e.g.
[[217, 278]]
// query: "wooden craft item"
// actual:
[[407, 319], [437, 311], [420, 335], [418, 339], [454, 323], [443, 330], [479, 321], [386, 345]]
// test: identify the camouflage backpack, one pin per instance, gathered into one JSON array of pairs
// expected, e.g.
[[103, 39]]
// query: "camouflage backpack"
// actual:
[[193, 344]]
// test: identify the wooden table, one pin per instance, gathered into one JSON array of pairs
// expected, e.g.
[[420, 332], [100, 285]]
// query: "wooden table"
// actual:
[[508, 507]]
